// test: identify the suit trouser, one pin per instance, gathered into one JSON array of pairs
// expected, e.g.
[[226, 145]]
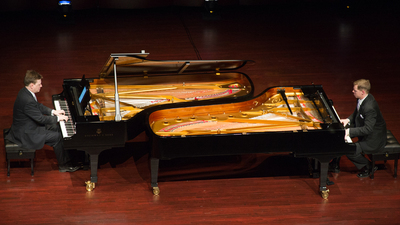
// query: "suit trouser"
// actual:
[[55, 140], [358, 158]]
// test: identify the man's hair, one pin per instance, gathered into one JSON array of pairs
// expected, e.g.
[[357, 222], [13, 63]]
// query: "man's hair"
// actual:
[[363, 84], [32, 76]]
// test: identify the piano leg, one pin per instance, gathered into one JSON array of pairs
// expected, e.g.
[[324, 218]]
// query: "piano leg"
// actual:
[[94, 153], [323, 175], [94, 162], [154, 164], [323, 178]]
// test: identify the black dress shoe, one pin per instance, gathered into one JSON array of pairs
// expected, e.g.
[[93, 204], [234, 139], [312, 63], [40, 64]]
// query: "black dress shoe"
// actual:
[[362, 174], [366, 172], [64, 169]]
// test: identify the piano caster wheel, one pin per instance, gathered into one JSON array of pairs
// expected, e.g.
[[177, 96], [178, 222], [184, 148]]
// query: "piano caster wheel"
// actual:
[[90, 186], [325, 194], [156, 191]]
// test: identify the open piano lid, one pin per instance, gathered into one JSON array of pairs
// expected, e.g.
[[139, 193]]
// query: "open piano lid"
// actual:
[[137, 64]]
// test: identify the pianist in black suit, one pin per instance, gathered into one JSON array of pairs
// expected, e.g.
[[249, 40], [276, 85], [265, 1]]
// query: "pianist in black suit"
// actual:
[[368, 125], [35, 125]]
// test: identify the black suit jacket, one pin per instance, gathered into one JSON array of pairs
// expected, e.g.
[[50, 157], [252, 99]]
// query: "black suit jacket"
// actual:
[[30, 118], [369, 126]]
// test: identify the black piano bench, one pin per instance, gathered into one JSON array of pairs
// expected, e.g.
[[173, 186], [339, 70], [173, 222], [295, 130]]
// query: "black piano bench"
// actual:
[[390, 152], [13, 151]]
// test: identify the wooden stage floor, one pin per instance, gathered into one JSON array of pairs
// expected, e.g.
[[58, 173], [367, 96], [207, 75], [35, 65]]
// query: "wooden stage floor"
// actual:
[[320, 45]]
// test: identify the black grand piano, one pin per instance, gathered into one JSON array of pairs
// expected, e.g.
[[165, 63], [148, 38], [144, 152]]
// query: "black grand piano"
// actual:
[[106, 111], [299, 120]]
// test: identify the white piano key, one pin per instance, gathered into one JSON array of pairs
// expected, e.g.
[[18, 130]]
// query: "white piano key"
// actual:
[[67, 128]]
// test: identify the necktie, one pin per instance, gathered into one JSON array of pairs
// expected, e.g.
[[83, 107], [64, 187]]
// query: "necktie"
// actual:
[[358, 105]]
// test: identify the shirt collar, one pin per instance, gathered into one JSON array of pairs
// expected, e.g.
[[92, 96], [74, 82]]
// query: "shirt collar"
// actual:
[[34, 96], [361, 100]]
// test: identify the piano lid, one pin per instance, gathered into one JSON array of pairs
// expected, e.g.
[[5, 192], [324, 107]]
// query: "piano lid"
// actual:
[[137, 64]]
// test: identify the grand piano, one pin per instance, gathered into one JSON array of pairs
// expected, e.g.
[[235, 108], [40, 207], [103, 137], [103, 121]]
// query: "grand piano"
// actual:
[[299, 120], [107, 111]]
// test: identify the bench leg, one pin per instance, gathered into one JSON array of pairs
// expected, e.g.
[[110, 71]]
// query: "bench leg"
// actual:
[[372, 168], [32, 167], [8, 167], [395, 165]]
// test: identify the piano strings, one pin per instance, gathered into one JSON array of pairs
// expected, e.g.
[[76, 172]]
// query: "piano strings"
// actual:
[[271, 115], [135, 98]]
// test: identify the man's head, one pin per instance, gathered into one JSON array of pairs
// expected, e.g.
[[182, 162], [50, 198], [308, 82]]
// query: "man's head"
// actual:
[[361, 88], [33, 81]]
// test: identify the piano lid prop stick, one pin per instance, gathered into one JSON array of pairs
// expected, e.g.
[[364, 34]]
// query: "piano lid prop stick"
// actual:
[[117, 109], [282, 92]]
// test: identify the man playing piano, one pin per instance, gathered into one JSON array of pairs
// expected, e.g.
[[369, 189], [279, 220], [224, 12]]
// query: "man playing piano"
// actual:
[[35, 125], [368, 125]]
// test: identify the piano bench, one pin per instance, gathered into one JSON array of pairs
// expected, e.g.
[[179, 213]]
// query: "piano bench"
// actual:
[[390, 152], [13, 151]]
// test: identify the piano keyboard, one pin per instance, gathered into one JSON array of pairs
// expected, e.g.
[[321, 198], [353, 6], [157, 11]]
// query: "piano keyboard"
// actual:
[[67, 128], [346, 138]]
